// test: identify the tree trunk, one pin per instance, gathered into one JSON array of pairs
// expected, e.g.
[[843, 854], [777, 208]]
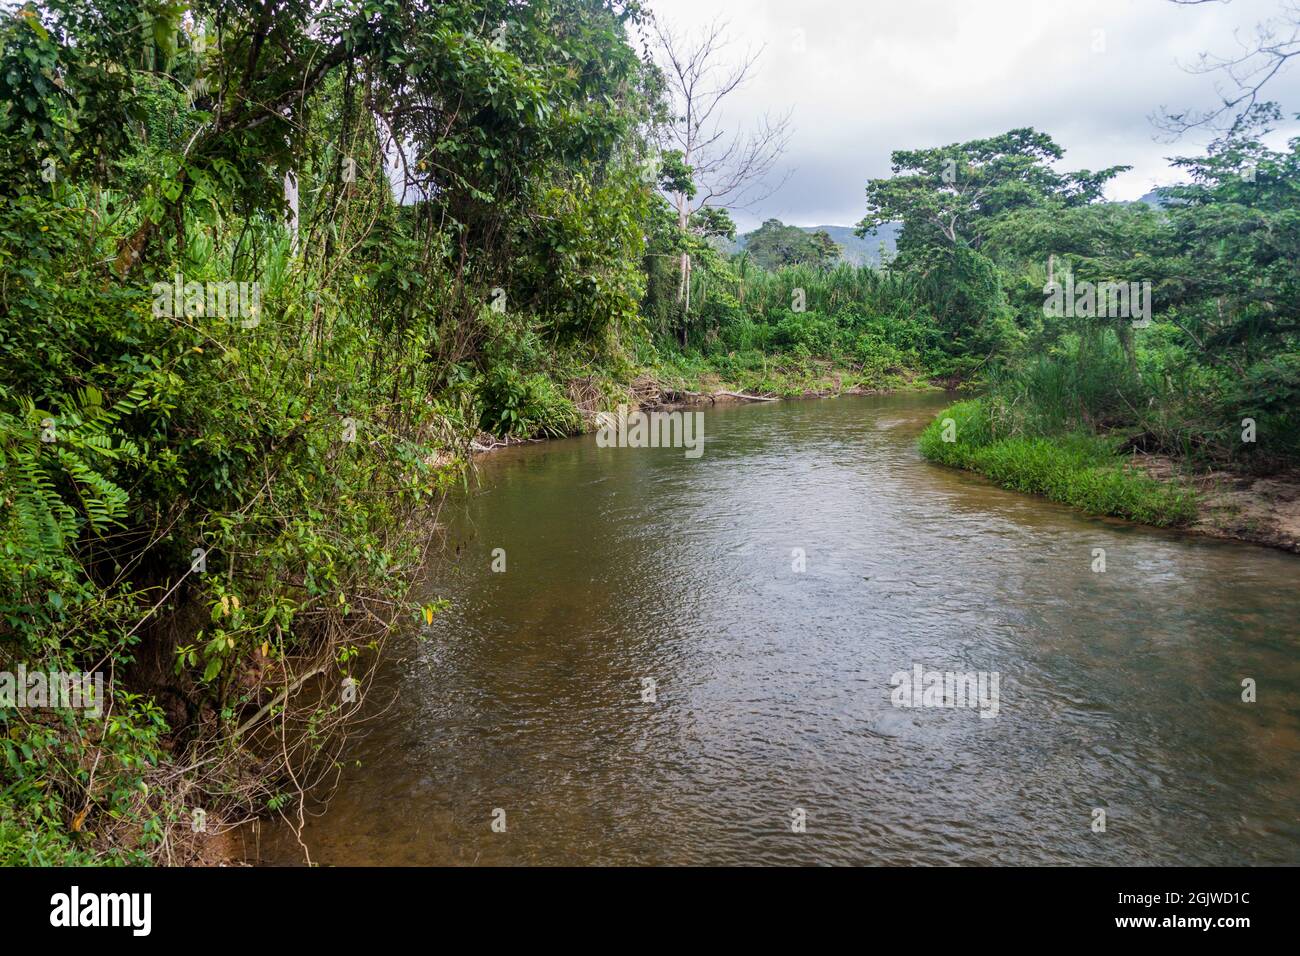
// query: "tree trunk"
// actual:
[[291, 199], [1124, 332], [684, 266]]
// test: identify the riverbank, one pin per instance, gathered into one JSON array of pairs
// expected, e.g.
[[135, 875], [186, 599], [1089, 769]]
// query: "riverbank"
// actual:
[[779, 376], [1234, 506], [686, 381], [1087, 472]]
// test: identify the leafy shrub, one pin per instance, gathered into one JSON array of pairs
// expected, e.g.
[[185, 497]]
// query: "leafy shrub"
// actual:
[[525, 406]]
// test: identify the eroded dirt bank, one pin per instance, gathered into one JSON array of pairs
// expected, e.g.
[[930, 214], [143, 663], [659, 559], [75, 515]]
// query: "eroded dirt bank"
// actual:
[[1240, 507]]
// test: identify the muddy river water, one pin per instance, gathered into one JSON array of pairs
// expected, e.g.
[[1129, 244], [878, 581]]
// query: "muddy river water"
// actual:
[[694, 660]]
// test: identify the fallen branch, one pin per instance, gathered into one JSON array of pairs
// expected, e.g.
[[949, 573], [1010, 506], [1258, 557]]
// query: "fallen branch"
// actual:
[[277, 699], [748, 398]]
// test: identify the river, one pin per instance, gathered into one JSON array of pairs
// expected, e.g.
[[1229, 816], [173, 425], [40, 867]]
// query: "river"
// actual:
[[652, 680]]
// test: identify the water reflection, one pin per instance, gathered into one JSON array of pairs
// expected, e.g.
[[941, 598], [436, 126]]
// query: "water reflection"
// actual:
[[1118, 690]]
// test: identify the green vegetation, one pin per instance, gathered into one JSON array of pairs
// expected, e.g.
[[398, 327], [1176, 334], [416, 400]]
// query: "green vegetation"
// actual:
[[219, 503], [774, 244], [852, 324], [1204, 370], [1077, 469], [222, 436]]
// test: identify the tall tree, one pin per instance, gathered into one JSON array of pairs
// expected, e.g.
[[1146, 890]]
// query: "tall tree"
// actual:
[[950, 195], [729, 168], [1275, 44]]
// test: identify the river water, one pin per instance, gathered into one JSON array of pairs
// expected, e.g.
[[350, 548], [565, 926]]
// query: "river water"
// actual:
[[527, 701]]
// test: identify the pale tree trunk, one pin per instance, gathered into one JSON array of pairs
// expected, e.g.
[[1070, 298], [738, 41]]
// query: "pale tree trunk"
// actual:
[[291, 198], [723, 166], [684, 266], [683, 223], [683, 283]]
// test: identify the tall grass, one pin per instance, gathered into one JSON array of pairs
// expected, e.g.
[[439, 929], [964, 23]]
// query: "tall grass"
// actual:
[[1084, 383], [1075, 468], [862, 320], [846, 288]]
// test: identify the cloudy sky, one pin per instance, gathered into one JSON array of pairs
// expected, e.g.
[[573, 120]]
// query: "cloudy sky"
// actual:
[[865, 77]]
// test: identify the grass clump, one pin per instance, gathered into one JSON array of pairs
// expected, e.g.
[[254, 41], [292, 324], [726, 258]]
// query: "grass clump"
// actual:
[[1076, 469]]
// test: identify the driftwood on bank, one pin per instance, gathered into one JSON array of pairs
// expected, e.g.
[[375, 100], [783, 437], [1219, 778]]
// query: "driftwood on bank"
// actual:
[[672, 396], [748, 398]]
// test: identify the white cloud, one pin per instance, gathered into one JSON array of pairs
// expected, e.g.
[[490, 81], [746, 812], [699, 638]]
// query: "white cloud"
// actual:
[[871, 77]]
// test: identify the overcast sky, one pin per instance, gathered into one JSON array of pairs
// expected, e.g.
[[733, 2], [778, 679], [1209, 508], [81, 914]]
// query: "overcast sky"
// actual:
[[865, 77]]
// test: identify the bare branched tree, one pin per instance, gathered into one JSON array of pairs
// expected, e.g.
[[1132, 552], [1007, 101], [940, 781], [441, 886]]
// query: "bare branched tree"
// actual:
[[1276, 42], [730, 169]]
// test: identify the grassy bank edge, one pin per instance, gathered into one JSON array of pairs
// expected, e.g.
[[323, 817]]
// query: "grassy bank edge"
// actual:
[[1079, 470]]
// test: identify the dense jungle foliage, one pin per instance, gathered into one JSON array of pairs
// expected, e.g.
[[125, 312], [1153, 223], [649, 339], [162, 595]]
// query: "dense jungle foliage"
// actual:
[[268, 271]]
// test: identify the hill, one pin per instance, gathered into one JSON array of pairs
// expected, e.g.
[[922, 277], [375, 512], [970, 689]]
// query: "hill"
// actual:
[[853, 249]]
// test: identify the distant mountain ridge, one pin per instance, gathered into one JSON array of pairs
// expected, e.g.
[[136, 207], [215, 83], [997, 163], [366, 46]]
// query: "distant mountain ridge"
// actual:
[[860, 251], [1158, 198], [853, 249]]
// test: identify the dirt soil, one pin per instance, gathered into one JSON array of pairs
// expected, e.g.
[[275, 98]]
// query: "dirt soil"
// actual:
[[1241, 507]]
